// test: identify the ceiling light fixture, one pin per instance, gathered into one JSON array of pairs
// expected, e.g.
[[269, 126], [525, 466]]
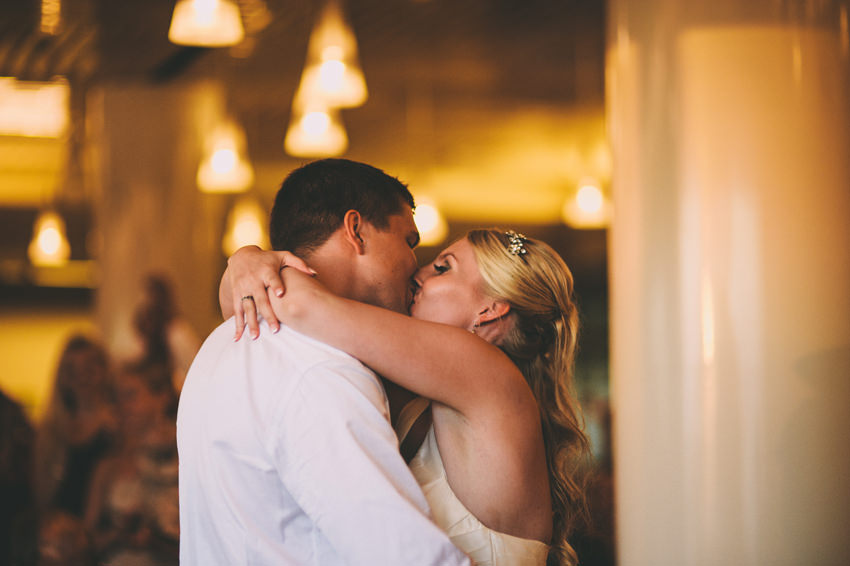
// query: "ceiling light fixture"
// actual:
[[430, 222], [207, 23], [315, 131], [246, 225], [225, 169], [49, 245], [332, 73], [588, 207]]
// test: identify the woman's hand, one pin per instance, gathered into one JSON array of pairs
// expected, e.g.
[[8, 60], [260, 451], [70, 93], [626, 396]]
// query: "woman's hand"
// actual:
[[251, 276]]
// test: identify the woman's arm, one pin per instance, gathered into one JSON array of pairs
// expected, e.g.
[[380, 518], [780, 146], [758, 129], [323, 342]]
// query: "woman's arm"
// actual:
[[444, 363], [255, 275]]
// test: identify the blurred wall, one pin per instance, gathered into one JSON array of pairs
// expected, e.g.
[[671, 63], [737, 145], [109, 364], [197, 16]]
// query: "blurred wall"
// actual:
[[151, 218]]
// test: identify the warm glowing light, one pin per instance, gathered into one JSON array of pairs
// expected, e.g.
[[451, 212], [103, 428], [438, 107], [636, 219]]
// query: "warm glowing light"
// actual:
[[332, 75], [332, 52], [430, 222], [34, 109], [49, 245], [224, 161], [315, 132], [588, 208], [246, 225], [316, 123], [225, 169], [601, 161], [209, 23], [589, 199], [51, 16]]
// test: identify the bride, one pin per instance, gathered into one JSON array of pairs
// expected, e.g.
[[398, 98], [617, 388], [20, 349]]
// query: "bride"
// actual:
[[489, 348]]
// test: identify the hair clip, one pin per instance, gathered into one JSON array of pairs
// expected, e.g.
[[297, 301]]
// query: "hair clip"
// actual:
[[516, 243]]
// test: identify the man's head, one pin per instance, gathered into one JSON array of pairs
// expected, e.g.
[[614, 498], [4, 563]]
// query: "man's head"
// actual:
[[355, 219]]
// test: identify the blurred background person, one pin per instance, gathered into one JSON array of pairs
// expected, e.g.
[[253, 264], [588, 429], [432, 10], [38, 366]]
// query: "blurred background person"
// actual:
[[77, 427], [166, 342], [16, 494], [132, 511]]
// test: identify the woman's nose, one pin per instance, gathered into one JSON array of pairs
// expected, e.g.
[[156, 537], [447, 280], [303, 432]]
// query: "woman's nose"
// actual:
[[420, 276]]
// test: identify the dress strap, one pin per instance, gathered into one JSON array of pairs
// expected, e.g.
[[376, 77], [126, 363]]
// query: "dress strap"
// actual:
[[409, 414]]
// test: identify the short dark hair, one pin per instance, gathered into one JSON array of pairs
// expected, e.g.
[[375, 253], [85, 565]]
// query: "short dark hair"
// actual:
[[314, 198]]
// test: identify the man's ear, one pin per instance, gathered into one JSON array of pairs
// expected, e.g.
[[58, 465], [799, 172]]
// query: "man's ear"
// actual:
[[494, 310], [352, 230]]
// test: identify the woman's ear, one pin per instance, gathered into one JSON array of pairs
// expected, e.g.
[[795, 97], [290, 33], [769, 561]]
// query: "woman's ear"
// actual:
[[352, 229], [493, 311]]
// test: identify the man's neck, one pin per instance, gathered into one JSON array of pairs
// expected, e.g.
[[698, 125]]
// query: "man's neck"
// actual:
[[333, 269]]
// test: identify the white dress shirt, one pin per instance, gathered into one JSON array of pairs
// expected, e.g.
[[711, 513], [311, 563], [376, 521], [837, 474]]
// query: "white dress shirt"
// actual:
[[287, 457]]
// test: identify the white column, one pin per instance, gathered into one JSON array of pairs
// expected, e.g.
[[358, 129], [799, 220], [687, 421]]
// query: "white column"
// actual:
[[730, 278], [151, 218]]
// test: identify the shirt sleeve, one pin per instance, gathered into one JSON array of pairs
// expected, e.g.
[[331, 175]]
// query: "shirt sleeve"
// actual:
[[338, 457]]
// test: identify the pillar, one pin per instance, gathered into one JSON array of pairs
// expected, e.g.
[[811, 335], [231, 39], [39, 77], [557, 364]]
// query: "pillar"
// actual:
[[150, 216], [730, 281]]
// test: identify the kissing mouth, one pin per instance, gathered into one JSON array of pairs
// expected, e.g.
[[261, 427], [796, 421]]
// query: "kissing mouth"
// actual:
[[412, 291]]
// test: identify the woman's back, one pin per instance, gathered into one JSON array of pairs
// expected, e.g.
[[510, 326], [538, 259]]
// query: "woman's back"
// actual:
[[487, 546]]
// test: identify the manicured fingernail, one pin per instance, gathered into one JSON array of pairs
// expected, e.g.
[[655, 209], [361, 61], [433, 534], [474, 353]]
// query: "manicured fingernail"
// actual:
[[255, 334], [313, 271], [275, 329], [279, 292]]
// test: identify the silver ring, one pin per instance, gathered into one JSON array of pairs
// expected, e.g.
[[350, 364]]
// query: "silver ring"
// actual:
[[248, 297]]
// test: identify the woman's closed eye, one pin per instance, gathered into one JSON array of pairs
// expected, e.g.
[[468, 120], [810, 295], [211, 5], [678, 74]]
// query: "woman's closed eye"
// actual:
[[441, 267]]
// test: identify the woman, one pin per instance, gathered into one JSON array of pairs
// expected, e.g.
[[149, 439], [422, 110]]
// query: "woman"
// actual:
[[132, 510], [491, 343], [78, 427]]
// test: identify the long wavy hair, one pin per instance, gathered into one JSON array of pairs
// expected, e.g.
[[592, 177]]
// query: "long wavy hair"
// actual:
[[83, 379], [542, 342]]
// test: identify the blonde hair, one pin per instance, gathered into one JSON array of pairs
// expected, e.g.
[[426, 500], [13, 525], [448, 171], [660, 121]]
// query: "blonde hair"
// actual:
[[542, 342]]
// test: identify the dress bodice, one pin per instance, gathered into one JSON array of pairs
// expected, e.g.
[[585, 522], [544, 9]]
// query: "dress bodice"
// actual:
[[485, 546]]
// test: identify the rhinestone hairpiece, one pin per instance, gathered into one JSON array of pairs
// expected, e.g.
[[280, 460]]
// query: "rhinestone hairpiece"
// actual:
[[516, 243]]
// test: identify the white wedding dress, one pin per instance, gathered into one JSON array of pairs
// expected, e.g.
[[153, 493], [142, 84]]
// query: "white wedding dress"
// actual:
[[485, 546]]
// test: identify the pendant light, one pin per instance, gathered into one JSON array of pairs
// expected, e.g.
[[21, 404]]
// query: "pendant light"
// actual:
[[332, 73], [315, 131], [225, 169], [430, 222], [206, 23], [49, 245], [246, 225], [588, 207]]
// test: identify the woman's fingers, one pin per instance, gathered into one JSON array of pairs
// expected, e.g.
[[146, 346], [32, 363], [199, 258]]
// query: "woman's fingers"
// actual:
[[255, 277], [264, 307], [250, 308], [273, 280], [238, 316]]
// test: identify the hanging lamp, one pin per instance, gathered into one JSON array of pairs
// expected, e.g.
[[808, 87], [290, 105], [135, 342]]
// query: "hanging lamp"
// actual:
[[246, 225], [430, 222], [315, 131], [332, 73], [225, 168], [49, 245], [587, 207], [206, 23]]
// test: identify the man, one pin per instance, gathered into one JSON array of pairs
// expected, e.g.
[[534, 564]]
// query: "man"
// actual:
[[286, 452]]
